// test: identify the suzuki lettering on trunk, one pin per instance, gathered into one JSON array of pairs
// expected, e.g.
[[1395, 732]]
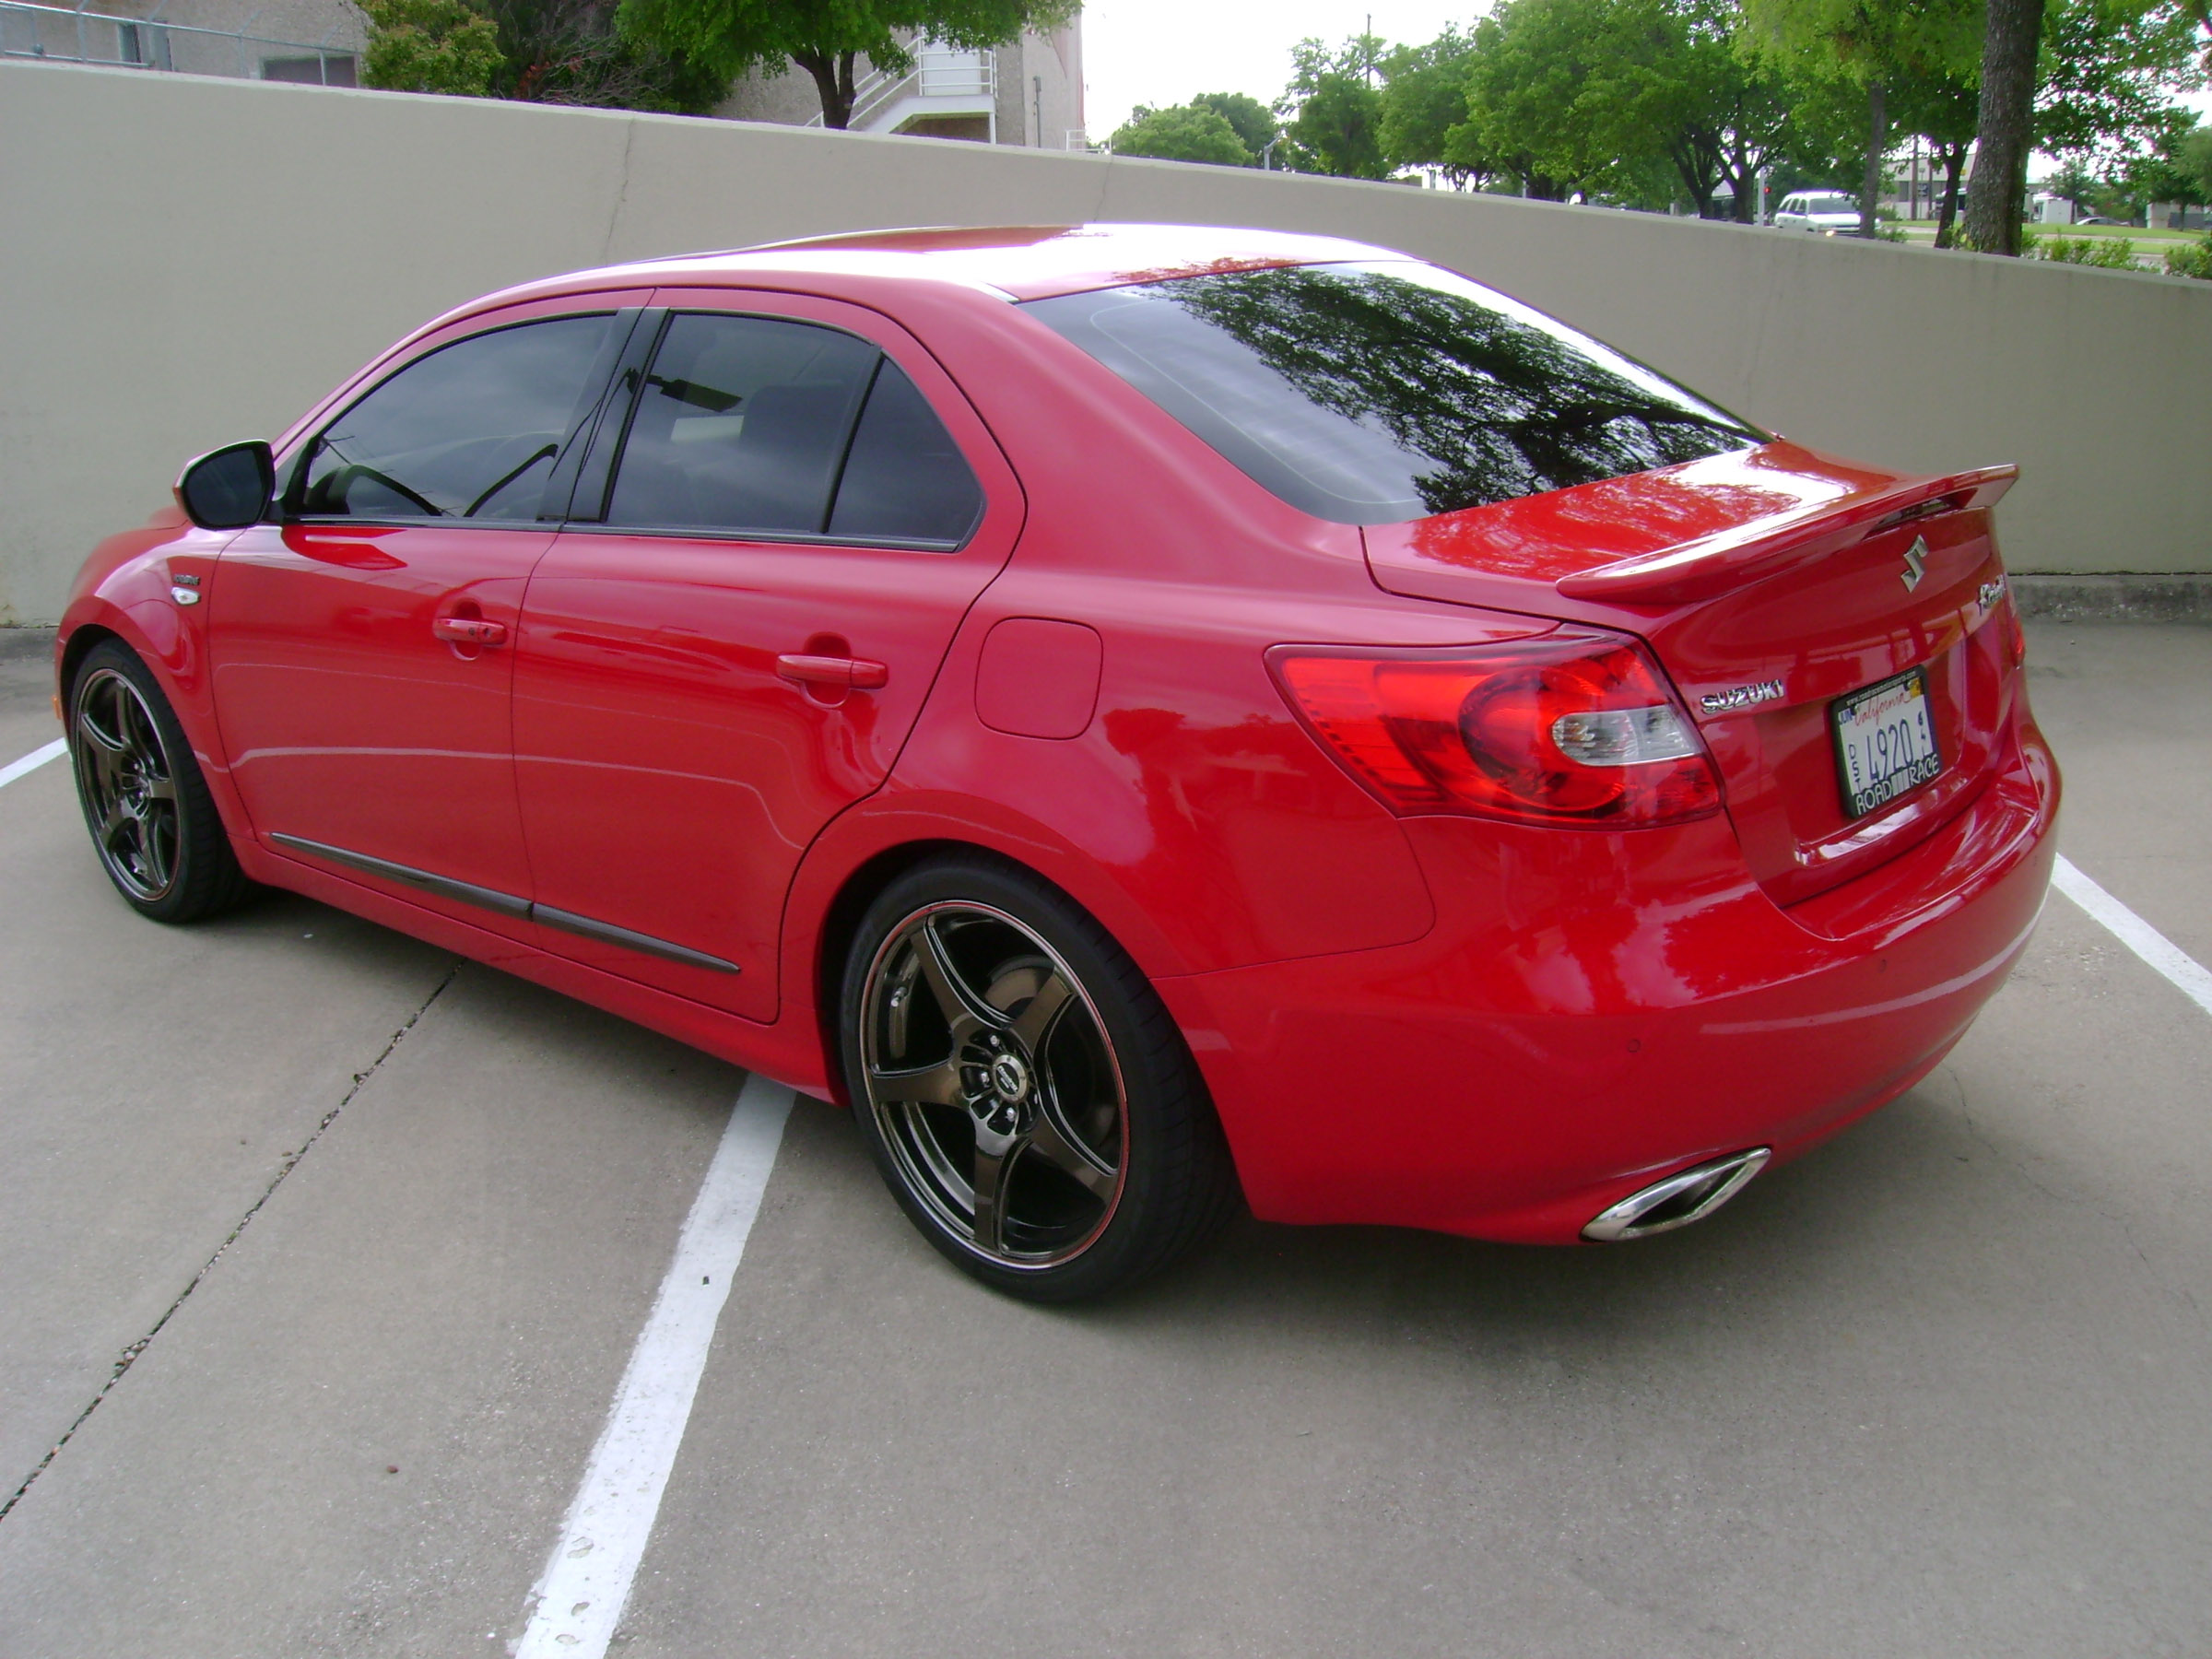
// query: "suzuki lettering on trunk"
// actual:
[[1884, 743]]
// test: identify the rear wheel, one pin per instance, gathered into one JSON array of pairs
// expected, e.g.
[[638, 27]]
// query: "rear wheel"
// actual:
[[153, 823], [1025, 1093]]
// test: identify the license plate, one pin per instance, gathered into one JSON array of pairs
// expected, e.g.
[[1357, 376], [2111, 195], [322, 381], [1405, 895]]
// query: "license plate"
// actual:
[[1885, 742]]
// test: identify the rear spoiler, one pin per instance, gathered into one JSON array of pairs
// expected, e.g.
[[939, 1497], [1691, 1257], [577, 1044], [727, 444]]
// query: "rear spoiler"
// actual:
[[1714, 564]]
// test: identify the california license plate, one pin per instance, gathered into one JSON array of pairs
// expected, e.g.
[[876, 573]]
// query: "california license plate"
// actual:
[[1885, 742]]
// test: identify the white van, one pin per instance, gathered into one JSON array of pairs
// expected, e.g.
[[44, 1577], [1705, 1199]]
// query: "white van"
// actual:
[[1830, 212]]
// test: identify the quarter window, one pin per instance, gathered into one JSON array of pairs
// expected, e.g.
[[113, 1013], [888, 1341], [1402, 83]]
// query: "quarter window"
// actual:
[[469, 431], [905, 479]]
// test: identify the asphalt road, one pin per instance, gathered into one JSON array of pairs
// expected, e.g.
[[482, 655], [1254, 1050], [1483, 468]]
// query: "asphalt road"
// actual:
[[1943, 1387]]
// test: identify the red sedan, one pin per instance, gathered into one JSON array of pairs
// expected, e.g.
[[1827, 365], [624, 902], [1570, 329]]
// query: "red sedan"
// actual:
[[1133, 711]]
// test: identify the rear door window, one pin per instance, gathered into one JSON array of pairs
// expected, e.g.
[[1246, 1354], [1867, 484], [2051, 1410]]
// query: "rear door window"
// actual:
[[468, 432], [1381, 392], [742, 425]]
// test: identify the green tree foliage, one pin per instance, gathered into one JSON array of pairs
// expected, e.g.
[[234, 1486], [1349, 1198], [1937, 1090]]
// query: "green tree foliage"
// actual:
[[1541, 91], [1874, 45], [1182, 133], [1334, 109], [568, 52], [1424, 97], [430, 46], [2106, 74], [1255, 122], [826, 37]]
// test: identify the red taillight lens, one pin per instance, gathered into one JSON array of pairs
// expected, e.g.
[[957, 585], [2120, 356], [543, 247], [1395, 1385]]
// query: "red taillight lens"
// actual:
[[1573, 727]]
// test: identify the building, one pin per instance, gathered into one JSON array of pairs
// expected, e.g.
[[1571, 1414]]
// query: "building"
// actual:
[[1029, 92]]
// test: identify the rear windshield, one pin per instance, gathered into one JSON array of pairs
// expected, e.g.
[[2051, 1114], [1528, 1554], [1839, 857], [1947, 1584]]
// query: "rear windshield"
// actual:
[[1832, 205], [1375, 394]]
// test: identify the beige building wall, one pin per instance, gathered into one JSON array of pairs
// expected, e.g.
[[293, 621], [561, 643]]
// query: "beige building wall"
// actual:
[[191, 261], [1041, 89]]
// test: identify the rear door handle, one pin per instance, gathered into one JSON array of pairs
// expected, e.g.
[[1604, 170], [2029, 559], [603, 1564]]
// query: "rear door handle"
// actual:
[[855, 672], [469, 631]]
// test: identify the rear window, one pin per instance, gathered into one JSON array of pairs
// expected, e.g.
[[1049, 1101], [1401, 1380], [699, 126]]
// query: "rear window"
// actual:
[[1832, 205], [1375, 394]]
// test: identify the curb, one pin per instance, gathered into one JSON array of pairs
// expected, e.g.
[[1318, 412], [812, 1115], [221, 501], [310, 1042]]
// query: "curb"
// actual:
[[2125, 597], [20, 645]]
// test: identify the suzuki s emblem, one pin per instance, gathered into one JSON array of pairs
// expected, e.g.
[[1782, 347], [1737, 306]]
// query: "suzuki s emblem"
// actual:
[[1991, 593], [1740, 697], [1916, 563]]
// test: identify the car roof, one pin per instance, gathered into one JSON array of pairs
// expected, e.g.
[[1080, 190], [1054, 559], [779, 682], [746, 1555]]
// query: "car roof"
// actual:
[[1017, 262]]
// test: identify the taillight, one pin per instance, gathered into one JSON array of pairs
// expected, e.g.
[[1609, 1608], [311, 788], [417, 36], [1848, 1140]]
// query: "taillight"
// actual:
[[1574, 727]]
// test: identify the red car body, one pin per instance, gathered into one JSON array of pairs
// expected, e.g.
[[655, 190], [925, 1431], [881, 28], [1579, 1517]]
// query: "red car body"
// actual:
[[1435, 1020]]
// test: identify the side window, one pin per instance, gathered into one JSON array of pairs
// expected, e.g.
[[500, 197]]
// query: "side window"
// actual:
[[469, 431], [905, 479], [742, 426]]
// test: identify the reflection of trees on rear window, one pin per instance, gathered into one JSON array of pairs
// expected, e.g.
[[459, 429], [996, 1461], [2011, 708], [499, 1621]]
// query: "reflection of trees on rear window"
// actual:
[[1376, 393]]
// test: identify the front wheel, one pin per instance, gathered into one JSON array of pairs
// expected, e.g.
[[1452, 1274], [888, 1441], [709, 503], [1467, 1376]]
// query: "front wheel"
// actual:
[[153, 823], [1028, 1100]]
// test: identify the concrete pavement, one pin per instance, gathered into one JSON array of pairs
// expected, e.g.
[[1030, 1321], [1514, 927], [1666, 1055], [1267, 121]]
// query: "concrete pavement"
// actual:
[[1941, 1387]]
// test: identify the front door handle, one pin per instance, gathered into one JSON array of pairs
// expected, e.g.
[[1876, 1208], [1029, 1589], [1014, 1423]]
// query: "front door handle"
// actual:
[[469, 631], [856, 673]]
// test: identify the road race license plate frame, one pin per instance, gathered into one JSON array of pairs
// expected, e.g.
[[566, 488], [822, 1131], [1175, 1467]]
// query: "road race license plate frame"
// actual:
[[1885, 738]]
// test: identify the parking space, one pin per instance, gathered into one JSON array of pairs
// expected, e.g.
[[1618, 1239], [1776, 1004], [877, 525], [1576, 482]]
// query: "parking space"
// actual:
[[1940, 1387]]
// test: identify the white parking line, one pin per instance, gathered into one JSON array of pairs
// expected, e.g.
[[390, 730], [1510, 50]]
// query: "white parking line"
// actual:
[[32, 761], [2187, 974], [586, 1583]]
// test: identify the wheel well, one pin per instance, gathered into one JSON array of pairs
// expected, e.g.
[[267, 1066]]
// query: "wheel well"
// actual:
[[81, 645]]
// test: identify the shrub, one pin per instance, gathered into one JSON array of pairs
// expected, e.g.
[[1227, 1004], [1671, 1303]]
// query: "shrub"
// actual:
[[2192, 259], [430, 46], [2110, 254]]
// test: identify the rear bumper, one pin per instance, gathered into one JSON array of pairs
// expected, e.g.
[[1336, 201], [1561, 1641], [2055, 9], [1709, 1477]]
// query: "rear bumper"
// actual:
[[1594, 1011]]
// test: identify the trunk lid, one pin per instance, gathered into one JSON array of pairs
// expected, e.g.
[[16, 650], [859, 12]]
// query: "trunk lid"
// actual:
[[1771, 583]]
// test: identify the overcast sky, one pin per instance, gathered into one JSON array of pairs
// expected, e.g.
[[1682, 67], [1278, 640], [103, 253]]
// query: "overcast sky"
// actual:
[[1166, 52]]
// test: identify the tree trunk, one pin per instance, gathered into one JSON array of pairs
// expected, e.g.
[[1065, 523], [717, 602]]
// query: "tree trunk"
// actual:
[[1878, 141], [1954, 160], [834, 90], [2006, 125]]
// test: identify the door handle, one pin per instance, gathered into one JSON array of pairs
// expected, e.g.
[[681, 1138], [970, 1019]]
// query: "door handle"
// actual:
[[856, 673], [469, 631]]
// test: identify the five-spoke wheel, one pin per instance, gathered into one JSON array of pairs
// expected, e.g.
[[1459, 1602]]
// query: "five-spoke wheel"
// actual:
[[1028, 1100], [152, 821]]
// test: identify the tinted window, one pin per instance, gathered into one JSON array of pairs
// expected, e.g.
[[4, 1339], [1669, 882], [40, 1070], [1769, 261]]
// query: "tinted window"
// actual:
[[905, 479], [469, 431], [741, 425], [1375, 394]]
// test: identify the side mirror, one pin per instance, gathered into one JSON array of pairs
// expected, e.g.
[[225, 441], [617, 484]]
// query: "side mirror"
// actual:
[[229, 487]]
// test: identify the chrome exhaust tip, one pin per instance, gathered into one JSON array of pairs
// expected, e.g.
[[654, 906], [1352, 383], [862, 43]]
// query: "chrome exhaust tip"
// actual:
[[1688, 1195]]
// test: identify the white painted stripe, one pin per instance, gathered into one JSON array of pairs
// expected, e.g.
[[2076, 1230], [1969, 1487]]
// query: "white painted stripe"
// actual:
[[2187, 974], [32, 761], [587, 1582]]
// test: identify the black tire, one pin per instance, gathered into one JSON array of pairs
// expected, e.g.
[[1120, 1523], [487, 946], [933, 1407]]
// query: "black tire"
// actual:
[[154, 825], [1024, 1047]]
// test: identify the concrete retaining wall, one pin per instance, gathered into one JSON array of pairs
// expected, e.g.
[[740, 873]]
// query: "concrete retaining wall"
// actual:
[[185, 262]]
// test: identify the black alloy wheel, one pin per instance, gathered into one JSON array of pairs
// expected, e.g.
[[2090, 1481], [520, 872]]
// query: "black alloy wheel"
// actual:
[[1026, 1096], [153, 822]]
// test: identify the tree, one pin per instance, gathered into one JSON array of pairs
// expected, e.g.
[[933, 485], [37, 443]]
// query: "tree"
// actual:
[[1182, 133], [1253, 121], [1544, 95], [568, 52], [1424, 97], [430, 46], [1942, 106], [2106, 74], [1873, 44], [2005, 127], [826, 37], [1335, 109]]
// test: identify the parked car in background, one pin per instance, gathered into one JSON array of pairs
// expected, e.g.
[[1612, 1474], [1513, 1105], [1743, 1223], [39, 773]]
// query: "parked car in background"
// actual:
[[1130, 710], [1828, 212]]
